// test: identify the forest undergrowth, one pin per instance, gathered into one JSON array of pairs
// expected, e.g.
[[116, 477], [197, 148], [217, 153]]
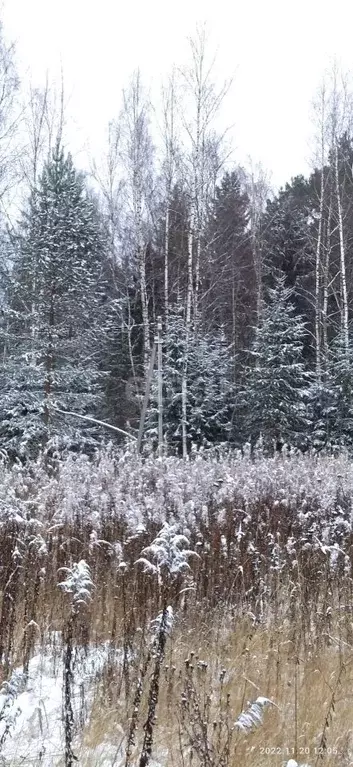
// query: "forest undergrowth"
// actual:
[[182, 612]]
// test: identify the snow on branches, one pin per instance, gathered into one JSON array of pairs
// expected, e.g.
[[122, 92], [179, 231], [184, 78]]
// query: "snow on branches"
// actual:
[[78, 582], [167, 556]]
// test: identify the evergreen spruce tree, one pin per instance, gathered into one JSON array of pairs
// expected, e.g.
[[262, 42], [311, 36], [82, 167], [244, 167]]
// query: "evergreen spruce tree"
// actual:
[[288, 246], [341, 371], [229, 276], [275, 392], [322, 412], [209, 389], [332, 401], [51, 338]]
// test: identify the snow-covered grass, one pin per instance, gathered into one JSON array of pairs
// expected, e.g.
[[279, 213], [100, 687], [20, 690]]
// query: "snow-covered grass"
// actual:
[[31, 722], [211, 707], [144, 491], [191, 590]]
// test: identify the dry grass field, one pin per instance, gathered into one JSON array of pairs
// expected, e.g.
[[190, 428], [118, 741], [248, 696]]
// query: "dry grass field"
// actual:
[[177, 613]]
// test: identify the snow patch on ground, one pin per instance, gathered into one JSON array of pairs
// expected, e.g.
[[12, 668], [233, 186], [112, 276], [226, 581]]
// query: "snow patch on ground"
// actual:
[[31, 726]]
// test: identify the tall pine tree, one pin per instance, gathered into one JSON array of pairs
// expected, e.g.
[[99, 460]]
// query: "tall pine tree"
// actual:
[[276, 387], [51, 338]]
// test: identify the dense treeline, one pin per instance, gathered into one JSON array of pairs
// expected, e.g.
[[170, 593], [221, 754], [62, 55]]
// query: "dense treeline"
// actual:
[[255, 289]]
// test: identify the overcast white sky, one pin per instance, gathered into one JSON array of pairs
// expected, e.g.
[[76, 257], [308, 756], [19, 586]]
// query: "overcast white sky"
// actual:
[[277, 49]]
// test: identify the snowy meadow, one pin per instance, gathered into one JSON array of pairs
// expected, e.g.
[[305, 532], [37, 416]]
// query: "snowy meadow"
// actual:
[[166, 601], [177, 612]]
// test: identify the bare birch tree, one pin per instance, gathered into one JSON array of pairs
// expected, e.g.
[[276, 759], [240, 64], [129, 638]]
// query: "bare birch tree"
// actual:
[[321, 268], [10, 114], [137, 162], [258, 189], [107, 174], [339, 116], [169, 165], [201, 104], [111, 174], [325, 280], [333, 114], [43, 121]]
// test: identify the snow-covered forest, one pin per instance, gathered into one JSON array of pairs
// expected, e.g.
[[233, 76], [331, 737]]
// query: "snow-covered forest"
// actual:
[[253, 287], [176, 434]]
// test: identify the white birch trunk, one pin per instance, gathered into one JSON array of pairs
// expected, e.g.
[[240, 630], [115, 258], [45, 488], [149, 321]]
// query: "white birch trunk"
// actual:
[[344, 296], [317, 282], [170, 142], [189, 298], [234, 326], [256, 250], [326, 272], [144, 304], [141, 261], [197, 274], [138, 158], [166, 264]]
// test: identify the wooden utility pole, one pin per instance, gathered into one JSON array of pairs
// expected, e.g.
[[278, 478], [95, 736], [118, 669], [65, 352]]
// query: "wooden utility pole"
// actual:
[[160, 387]]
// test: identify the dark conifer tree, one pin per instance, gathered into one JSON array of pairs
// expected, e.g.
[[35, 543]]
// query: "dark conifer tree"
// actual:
[[55, 315], [276, 386]]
